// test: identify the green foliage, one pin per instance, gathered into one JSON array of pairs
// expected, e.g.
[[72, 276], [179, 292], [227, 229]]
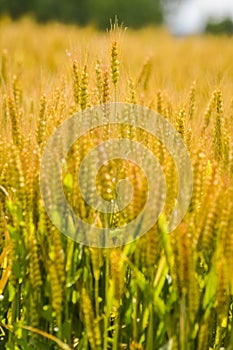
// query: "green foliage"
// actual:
[[133, 13], [223, 27], [15, 8]]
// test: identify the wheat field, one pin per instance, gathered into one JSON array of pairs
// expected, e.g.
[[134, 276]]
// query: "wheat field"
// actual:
[[162, 291]]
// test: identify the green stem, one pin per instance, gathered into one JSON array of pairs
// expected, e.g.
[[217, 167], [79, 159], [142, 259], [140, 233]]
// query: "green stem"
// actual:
[[106, 317], [97, 297], [150, 337], [135, 325], [116, 334], [183, 325]]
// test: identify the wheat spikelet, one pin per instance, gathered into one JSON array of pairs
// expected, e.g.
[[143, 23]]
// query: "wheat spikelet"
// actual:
[[57, 97], [193, 288], [160, 103], [192, 101], [16, 177], [88, 318], [132, 92], [180, 122], [117, 274], [217, 137], [59, 255], [171, 184], [56, 290], [97, 261], [211, 179], [33, 315], [58, 105], [62, 103], [34, 264], [16, 137], [138, 182], [210, 227], [142, 251], [31, 177], [208, 113], [145, 74], [99, 80], [222, 294], [83, 89], [152, 247], [105, 87], [199, 169], [76, 87], [41, 127], [5, 109], [17, 92], [114, 63]]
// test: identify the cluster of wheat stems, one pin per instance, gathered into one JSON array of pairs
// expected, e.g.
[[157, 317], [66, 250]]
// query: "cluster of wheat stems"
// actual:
[[163, 291]]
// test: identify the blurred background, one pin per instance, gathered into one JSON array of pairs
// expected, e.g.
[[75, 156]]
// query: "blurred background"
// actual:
[[182, 17]]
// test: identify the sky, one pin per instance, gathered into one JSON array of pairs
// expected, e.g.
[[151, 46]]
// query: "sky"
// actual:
[[190, 16]]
